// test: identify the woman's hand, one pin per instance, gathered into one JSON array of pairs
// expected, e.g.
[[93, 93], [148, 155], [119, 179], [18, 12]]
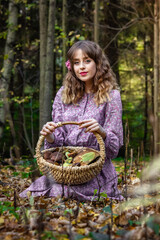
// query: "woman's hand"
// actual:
[[48, 130], [92, 125]]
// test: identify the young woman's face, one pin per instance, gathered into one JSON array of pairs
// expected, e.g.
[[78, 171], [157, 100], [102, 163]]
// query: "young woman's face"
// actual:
[[84, 66]]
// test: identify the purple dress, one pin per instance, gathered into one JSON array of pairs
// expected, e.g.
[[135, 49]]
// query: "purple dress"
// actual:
[[109, 116]]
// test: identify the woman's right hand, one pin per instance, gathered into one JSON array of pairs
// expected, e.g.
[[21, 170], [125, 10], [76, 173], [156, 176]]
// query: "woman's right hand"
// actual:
[[48, 130]]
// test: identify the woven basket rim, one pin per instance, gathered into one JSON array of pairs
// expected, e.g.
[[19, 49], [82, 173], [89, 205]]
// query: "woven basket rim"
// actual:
[[54, 148], [52, 165], [71, 169]]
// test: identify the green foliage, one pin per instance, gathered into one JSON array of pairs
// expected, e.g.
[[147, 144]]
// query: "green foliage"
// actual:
[[3, 35], [131, 223], [88, 157], [48, 235], [79, 237], [121, 232], [25, 174], [74, 37], [101, 196], [5, 56], [15, 174], [31, 201], [7, 207], [98, 236], [153, 224], [19, 100], [94, 194], [107, 209], [68, 211]]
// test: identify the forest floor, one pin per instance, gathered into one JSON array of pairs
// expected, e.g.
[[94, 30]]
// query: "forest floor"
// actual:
[[137, 217]]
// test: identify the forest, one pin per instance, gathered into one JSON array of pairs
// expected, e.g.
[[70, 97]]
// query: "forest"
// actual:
[[34, 39]]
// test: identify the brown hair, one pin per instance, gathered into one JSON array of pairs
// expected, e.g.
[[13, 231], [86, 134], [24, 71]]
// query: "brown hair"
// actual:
[[104, 79]]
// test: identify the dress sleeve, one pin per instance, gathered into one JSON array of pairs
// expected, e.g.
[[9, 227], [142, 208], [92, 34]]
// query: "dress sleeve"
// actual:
[[113, 125], [57, 116]]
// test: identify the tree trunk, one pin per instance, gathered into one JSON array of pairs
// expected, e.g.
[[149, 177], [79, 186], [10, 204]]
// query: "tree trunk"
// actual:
[[64, 38], [8, 62], [159, 77], [155, 130], [49, 81], [43, 44], [26, 137], [89, 16], [96, 22], [146, 94], [18, 89], [7, 72], [111, 46]]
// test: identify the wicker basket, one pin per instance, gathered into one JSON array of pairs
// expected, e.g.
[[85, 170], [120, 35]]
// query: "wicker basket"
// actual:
[[71, 175]]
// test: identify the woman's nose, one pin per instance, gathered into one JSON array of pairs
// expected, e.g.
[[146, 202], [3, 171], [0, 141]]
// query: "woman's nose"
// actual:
[[82, 65]]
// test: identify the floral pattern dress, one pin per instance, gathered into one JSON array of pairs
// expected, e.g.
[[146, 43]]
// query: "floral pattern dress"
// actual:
[[109, 116]]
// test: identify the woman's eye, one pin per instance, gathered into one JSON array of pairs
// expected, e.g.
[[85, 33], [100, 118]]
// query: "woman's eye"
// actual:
[[76, 63], [88, 61]]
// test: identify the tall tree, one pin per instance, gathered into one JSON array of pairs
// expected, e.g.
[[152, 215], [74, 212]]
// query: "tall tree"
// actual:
[[159, 74], [146, 93], [48, 81], [110, 35], [64, 7], [7, 72], [43, 45], [96, 21], [156, 77]]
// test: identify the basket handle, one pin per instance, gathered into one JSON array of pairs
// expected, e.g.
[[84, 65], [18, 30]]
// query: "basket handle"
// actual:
[[60, 124]]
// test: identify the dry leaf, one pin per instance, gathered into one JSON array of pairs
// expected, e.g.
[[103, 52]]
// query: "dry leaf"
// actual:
[[85, 157], [121, 220]]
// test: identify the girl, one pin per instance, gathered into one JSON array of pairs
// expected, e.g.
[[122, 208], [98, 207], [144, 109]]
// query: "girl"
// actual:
[[89, 96]]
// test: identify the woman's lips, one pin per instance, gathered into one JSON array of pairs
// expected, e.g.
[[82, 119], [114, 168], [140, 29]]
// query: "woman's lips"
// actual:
[[83, 73]]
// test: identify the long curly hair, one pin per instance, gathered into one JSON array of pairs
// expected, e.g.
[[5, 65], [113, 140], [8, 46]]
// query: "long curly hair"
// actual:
[[104, 80]]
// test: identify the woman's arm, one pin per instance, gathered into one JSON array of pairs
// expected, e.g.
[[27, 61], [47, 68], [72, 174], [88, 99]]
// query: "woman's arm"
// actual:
[[48, 130], [112, 130], [55, 136], [92, 125], [113, 125]]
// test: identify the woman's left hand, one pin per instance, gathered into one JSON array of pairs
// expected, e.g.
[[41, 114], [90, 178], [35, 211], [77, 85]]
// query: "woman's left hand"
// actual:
[[92, 125]]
